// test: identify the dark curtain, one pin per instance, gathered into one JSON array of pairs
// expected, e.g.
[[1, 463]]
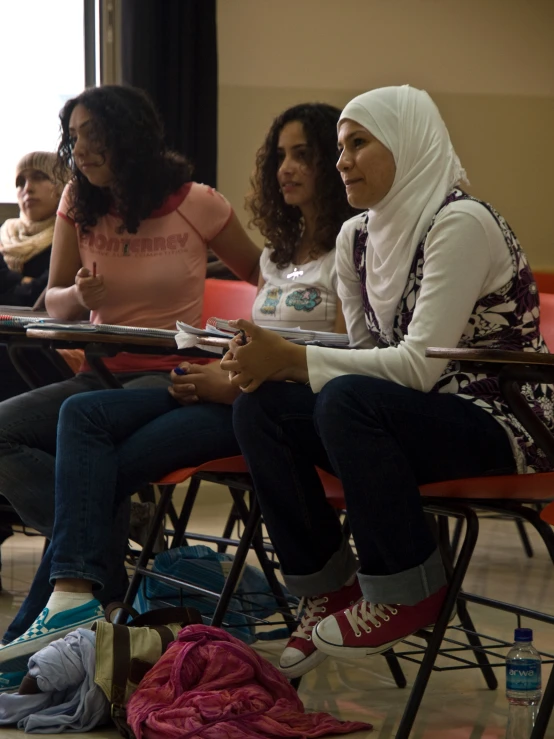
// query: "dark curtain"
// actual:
[[169, 49]]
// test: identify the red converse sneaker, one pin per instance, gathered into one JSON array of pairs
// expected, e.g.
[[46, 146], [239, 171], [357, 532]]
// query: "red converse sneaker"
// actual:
[[300, 655], [372, 628]]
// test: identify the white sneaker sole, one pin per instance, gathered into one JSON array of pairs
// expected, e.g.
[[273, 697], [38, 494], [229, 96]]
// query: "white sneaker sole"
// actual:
[[339, 652]]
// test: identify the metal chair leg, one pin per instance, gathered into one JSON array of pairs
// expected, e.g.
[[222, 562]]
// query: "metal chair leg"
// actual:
[[252, 525], [545, 710], [184, 517], [233, 518], [447, 553], [142, 562], [263, 559], [456, 536], [475, 641], [424, 672], [395, 668], [524, 538]]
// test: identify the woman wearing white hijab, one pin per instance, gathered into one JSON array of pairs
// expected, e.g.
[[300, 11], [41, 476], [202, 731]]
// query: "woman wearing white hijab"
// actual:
[[424, 265]]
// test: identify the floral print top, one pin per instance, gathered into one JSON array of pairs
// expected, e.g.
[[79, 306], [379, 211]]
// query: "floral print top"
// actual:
[[507, 319]]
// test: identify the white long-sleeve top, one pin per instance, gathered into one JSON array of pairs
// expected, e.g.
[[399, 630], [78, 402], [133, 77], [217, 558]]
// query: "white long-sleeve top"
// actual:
[[465, 258]]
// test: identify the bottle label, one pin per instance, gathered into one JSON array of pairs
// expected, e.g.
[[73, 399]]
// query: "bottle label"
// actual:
[[523, 675]]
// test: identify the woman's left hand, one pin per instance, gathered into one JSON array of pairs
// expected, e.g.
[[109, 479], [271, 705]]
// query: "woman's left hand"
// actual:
[[266, 356], [197, 383]]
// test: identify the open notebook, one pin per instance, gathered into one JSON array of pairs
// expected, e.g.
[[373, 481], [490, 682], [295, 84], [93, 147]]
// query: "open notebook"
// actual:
[[220, 327], [99, 328]]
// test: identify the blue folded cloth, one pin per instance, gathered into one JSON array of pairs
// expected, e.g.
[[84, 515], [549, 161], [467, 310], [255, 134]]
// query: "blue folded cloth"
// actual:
[[69, 699]]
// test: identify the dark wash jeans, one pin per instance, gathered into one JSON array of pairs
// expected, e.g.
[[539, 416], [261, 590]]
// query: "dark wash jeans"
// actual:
[[382, 440], [111, 443]]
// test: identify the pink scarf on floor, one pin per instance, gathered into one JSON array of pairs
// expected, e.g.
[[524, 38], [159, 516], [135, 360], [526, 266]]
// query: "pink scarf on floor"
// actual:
[[209, 684]]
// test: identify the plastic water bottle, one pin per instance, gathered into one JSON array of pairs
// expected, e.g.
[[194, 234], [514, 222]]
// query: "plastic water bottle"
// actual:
[[523, 685]]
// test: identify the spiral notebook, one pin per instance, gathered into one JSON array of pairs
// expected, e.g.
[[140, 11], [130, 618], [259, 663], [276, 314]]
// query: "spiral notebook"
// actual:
[[18, 322], [102, 328]]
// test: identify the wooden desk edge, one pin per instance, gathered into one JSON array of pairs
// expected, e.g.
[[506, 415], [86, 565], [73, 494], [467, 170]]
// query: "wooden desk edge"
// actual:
[[94, 337], [497, 356]]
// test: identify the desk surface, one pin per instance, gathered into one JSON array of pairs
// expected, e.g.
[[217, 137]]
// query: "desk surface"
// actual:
[[497, 356], [136, 340]]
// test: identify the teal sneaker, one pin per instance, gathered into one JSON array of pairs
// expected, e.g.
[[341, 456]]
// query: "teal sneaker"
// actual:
[[10, 681], [15, 655]]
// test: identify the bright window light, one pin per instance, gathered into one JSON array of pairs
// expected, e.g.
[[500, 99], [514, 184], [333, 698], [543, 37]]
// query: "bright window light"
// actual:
[[42, 64]]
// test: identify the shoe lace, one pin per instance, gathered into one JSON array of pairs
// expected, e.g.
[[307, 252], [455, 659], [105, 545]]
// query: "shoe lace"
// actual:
[[311, 607], [364, 613]]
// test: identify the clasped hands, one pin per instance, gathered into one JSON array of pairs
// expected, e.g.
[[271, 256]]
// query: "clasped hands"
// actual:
[[265, 356]]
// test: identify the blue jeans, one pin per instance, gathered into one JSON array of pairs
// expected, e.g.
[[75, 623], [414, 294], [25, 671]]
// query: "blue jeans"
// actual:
[[28, 429], [382, 440], [110, 444]]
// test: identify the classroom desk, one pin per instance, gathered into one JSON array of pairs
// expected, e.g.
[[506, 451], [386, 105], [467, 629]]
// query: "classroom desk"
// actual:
[[98, 346], [16, 342]]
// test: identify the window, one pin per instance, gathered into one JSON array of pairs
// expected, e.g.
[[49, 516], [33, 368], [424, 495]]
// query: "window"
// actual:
[[42, 64]]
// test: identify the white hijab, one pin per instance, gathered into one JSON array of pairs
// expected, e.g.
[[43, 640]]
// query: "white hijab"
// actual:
[[409, 124]]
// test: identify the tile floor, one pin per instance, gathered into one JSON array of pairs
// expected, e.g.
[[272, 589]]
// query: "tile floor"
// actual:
[[457, 705]]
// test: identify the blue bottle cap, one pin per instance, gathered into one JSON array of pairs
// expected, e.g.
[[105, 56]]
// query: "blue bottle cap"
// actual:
[[523, 635]]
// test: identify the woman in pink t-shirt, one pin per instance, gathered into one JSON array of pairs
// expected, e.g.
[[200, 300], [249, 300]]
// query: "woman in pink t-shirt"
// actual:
[[114, 441], [132, 215]]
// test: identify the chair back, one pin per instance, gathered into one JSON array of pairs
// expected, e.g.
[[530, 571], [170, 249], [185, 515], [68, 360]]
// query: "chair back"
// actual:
[[544, 281], [547, 319], [228, 299]]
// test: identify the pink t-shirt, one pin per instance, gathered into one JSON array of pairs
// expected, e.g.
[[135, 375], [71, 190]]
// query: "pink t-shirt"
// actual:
[[156, 276]]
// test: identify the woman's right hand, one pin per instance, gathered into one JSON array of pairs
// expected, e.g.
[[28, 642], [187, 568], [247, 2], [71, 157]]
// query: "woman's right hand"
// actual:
[[91, 291]]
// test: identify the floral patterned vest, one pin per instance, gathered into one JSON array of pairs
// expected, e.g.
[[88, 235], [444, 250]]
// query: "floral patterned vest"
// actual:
[[507, 319]]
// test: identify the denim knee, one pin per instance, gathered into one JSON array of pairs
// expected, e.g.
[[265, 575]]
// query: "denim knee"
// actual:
[[77, 407], [251, 409], [337, 401]]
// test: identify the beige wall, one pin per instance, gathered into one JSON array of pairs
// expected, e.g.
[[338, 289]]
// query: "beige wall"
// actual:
[[489, 65]]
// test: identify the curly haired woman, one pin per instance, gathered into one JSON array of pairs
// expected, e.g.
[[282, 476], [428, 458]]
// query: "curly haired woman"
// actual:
[[299, 212], [125, 438], [132, 210]]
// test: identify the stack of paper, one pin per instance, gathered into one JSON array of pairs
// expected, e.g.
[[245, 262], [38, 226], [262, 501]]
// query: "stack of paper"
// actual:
[[220, 327]]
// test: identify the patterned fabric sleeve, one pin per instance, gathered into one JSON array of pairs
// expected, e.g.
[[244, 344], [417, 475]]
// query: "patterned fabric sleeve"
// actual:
[[348, 288]]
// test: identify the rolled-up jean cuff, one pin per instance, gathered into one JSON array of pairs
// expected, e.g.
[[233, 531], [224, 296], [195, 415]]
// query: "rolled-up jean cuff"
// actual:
[[408, 587], [334, 575], [63, 572]]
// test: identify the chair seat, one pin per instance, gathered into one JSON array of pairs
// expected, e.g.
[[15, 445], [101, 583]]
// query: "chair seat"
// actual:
[[532, 488], [235, 465]]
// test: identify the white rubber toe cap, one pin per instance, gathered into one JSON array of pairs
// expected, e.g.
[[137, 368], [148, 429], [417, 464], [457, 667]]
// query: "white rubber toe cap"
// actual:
[[327, 632], [290, 657]]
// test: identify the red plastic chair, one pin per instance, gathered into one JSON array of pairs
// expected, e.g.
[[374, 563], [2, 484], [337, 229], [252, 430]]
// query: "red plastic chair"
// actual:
[[547, 317], [544, 281], [227, 299]]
